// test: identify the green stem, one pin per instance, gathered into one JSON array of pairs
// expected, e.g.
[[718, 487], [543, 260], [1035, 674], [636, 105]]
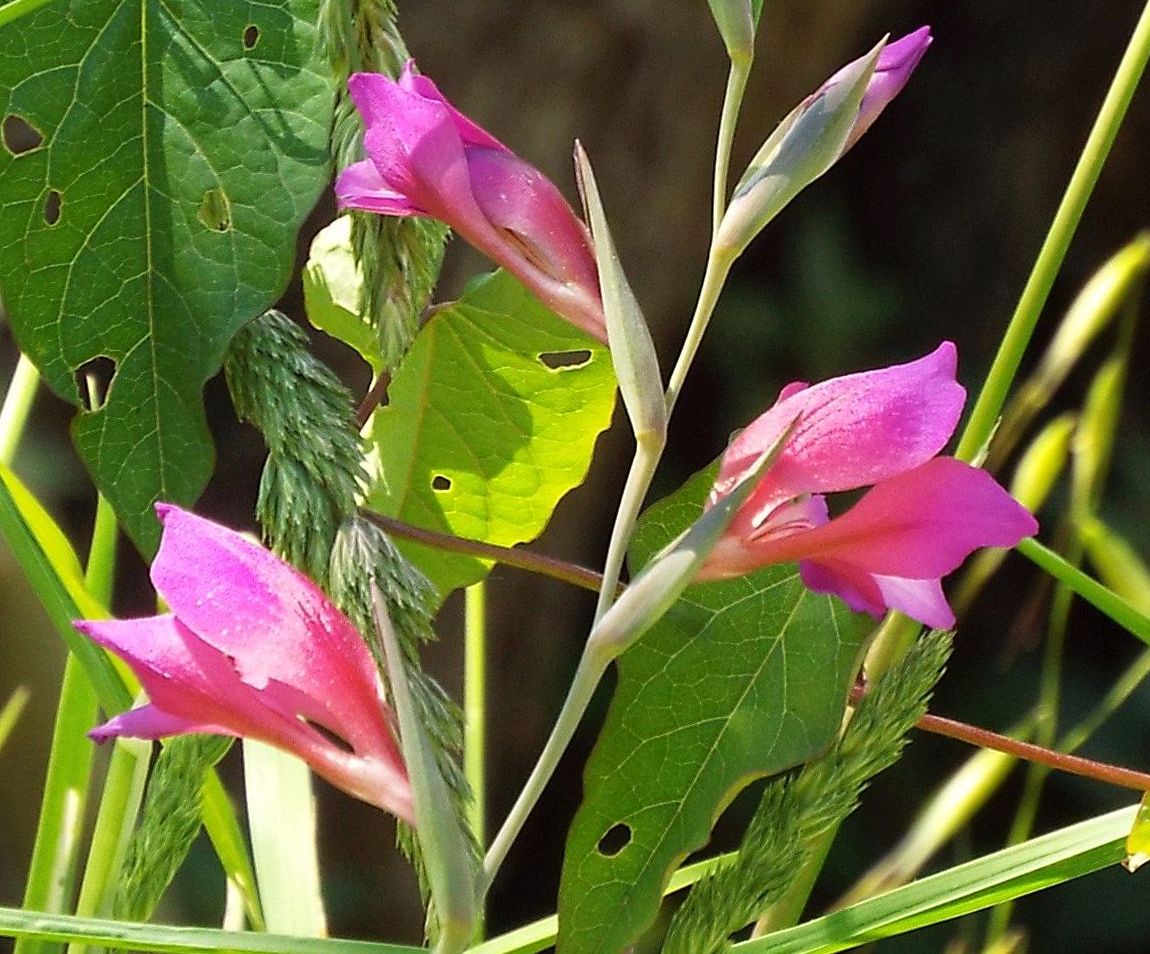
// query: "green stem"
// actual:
[[100, 573], [980, 427], [732, 102], [52, 872], [119, 806], [648, 451], [475, 717], [590, 671], [475, 704], [15, 9], [17, 404], [718, 266]]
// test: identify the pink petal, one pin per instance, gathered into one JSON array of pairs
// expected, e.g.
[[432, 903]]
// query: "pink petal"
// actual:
[[895, 64], [470, 133], [855, 587], [415, 146], [270, 619], [919, 525], [864, 592], [360, 186], [516, 197], [853, 431], [192, 687], [148, 722]]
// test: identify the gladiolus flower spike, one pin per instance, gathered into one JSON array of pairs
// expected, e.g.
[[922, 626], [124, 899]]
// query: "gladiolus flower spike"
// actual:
[[426, 158], [922, 517], [253, 648]]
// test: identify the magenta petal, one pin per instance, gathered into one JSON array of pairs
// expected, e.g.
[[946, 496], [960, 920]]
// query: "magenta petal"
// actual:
[[516, 197], [896, 62], [919, 599], [360, 186], [273, 621], [853, 430], [415, 146], [853, 586], [148, 722], [920, 524], [470, 133], [864, 592]]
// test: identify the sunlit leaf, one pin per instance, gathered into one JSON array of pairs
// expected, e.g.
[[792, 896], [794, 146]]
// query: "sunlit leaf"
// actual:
[[492, 418]]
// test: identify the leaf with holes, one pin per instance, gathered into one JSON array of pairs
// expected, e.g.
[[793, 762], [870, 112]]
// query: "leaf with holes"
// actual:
[[742, 678], [491, 419], [157, 161]]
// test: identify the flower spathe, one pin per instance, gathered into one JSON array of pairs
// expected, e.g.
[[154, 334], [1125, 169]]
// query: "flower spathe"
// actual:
[[426, 158], [252, 648], [923, 516]]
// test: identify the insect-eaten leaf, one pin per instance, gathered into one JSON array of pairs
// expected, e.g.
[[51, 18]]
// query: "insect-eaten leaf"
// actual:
[[742, 678], [155, 175], [484, 431]]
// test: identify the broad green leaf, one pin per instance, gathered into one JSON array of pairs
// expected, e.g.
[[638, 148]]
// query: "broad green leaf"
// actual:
[[742, 678], [492, 418], [157, 161], [992, 879]]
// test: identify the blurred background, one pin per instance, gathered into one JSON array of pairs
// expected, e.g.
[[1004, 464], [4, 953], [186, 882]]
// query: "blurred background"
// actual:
[[927, 230]]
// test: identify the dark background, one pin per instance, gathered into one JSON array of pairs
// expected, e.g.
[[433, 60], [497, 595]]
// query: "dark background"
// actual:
[[927, 230]]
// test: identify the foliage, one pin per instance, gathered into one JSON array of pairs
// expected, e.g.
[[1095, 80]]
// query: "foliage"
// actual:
[[157, 162]]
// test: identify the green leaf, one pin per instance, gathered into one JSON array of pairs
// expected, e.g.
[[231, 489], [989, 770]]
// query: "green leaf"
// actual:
[[742, 678], [492, 418], [1011, 873], [157, 161], [333, 289]]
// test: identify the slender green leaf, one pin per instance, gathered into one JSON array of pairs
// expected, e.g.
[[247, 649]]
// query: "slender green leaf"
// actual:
[[282, 817], [10, 713], [740, 679], [126, 935], [491, 419], [170, 151], [1023, 869]]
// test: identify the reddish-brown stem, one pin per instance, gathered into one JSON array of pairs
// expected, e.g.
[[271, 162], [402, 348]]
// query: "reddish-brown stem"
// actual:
[[1028, 751], [372, 399], [938, 725], [508, 556], [1074, 764]]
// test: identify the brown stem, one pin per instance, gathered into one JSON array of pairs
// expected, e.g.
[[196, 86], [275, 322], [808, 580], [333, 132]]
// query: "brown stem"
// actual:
[[508, 556], [372, 399], [1074, 764], [1028, 751], [938, 725]]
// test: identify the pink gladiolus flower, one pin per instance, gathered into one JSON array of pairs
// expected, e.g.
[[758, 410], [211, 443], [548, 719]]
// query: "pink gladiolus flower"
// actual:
[[921, 519], [426, 158], [253, 648]]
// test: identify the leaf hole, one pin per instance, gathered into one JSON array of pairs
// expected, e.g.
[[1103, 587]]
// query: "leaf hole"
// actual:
[[251, 36], [441, 483], [562, 360], [94, 381], [215, 211], [616, 838], [19, 135], [52, 203]]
